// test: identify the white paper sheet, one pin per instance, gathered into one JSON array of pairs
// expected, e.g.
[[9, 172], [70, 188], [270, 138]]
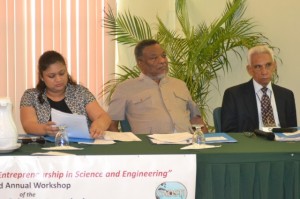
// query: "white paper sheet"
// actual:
[[76, 124], [110, 138], [199, 146], [52, 153], [286, 137], [62, 148], [185, 142], [99, 142], [172, 137], [121, 136], [218, 138]]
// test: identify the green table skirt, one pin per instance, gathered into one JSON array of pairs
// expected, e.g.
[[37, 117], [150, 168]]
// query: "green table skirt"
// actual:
[[252, 168], [248, 180]]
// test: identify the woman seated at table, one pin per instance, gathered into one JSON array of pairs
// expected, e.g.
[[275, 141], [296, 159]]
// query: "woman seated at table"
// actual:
[[56, 89]]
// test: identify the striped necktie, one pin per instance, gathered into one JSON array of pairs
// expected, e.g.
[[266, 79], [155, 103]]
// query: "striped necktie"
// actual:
[[266, 109]]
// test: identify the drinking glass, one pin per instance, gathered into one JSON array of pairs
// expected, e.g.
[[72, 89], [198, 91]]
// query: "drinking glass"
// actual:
[[198, 136], [61, 137]]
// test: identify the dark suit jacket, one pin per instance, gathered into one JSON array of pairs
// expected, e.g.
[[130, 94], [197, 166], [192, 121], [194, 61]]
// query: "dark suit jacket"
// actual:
[[239, 108]]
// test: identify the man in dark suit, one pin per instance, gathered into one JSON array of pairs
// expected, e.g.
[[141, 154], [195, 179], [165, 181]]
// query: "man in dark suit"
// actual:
[[241, 106]]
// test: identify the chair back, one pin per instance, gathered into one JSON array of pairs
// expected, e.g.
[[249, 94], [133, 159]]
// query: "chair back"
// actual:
[[125, 126], [217, 119]]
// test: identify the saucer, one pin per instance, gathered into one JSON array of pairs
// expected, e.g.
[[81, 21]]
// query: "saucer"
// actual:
[[10, 149]]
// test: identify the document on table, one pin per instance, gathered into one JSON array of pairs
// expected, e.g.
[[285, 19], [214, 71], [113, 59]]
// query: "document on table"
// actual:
[[76, 124], [121, 136], [288, 136], [110, 138], [171, 138], [61, 148], [186, 138], [199, 146], [52, 153], [212, 138]]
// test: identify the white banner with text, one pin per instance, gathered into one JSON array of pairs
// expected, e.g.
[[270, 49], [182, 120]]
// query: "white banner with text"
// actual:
[[93, 177]]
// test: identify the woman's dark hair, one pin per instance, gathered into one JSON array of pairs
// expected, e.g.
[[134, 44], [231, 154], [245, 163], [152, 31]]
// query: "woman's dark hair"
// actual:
[[46, 59]]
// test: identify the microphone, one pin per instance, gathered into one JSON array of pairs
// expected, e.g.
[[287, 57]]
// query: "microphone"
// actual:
[[268, 135]]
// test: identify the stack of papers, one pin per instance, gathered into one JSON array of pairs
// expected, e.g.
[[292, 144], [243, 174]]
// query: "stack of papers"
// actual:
[[110, 137], [76, 124], [78, 131], [61, 148], [218, 138], [52, 153], [171, 138], [200, 146], [97, 142], [121, 136], [186, 138], [284, 137]]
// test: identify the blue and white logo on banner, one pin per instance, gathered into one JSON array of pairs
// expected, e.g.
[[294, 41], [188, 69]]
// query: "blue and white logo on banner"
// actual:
[[171, 190]]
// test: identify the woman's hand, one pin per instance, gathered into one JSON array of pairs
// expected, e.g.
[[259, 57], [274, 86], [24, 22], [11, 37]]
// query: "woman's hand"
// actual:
[[50, 129], [96, 131], [100, 118]]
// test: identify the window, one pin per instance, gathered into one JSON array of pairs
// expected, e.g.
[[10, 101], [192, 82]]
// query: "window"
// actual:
[[71, 27]]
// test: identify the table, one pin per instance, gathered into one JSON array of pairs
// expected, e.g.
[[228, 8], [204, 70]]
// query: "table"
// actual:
[[252, 168]]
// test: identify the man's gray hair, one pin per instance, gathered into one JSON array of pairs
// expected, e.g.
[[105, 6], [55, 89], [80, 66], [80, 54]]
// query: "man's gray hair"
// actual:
[[260, 50]]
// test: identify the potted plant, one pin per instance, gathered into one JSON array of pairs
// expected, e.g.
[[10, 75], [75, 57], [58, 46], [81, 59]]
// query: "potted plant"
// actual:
[[196, 53]]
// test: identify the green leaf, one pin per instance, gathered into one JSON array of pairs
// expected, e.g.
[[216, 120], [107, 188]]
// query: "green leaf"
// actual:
[[196, 53]]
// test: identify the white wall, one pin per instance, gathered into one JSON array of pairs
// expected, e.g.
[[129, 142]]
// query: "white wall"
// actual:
[[277, 19], [147, 10]]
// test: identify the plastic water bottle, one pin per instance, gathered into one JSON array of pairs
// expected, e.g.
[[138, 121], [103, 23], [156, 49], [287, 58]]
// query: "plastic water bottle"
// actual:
[[198, 137]]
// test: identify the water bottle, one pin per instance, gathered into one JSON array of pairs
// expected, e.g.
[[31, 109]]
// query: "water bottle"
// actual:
[[61, 137], [198, 136]]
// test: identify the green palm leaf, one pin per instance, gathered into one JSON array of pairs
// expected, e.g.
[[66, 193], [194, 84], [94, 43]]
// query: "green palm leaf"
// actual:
[[195, 56], [126, 28]]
